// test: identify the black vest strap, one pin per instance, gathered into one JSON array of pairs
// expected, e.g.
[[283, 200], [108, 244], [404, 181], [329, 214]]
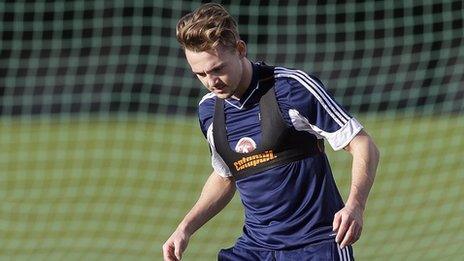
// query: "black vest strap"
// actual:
[[280, 143]]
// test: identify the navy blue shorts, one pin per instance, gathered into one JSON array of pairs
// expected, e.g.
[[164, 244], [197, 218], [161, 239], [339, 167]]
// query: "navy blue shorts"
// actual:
[[328, 250]]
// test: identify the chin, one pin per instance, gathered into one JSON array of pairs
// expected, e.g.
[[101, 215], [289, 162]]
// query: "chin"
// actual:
[[223, 95]]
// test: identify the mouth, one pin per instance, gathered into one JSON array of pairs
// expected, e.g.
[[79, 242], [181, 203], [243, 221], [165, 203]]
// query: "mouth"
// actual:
[[220, 89]]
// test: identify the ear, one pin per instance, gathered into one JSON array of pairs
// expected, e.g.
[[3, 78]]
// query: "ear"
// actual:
[[241, 48]]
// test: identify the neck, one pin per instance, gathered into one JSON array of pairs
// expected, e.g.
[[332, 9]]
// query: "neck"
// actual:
[[245, 80]]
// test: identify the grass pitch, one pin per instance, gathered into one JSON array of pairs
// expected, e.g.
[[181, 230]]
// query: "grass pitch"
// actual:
[[116, 187]]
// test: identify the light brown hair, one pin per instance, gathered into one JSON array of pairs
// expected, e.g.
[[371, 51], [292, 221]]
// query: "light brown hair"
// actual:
[[207, 27]]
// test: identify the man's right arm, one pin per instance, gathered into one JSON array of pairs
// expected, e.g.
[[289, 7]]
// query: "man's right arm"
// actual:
[[216, 194]]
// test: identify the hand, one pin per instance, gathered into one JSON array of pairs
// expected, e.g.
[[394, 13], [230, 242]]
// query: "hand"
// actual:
[[348, 223], [175, 246]]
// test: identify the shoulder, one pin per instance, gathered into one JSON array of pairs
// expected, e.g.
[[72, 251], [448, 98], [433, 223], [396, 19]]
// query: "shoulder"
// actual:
[[207, 97], [297, 86], [206, 110], [296, 78], [206, 104]]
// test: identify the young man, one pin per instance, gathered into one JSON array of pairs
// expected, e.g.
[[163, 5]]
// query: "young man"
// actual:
[[265, 127]]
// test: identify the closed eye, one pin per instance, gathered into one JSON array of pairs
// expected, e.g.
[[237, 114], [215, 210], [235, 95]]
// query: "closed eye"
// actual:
[[217, 69]]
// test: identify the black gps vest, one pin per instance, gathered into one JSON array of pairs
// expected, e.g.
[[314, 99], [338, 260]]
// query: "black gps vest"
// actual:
[[280, 143]]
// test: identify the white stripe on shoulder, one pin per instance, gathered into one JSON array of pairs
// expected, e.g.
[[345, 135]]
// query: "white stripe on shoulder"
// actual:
[[319, 87], [206, 96], [318, 91]]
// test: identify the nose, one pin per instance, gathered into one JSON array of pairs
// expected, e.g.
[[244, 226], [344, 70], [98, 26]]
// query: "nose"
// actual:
[[212, 80]]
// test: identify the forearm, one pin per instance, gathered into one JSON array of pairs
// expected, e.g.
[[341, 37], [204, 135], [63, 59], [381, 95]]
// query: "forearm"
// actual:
[[216, 194], [365, 160]]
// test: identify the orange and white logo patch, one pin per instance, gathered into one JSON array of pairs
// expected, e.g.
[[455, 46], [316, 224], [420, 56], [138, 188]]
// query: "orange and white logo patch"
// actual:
[[245, 145]]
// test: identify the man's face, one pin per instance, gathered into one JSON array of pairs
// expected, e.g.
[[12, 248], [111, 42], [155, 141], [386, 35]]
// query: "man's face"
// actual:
[[219, 69]]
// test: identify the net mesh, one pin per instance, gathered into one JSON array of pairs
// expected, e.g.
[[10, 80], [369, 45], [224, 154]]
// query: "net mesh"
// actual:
[[101, 154]]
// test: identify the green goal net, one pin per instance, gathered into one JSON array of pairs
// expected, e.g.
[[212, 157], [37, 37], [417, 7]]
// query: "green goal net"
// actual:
[[101, 154]]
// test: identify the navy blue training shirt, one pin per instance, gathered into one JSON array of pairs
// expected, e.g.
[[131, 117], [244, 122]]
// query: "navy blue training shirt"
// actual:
[[292, 205]]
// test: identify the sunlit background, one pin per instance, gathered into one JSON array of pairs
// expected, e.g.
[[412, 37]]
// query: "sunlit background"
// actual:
[[101, 154]]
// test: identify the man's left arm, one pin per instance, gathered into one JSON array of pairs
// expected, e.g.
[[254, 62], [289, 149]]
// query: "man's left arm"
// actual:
[[348, 222]]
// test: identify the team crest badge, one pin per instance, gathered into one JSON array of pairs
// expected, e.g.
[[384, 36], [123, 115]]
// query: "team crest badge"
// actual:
[[245, 145]]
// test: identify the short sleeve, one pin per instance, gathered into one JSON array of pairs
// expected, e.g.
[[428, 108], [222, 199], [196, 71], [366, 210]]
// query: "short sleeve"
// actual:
[[205, 117], [218, 164], [313, 109]]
